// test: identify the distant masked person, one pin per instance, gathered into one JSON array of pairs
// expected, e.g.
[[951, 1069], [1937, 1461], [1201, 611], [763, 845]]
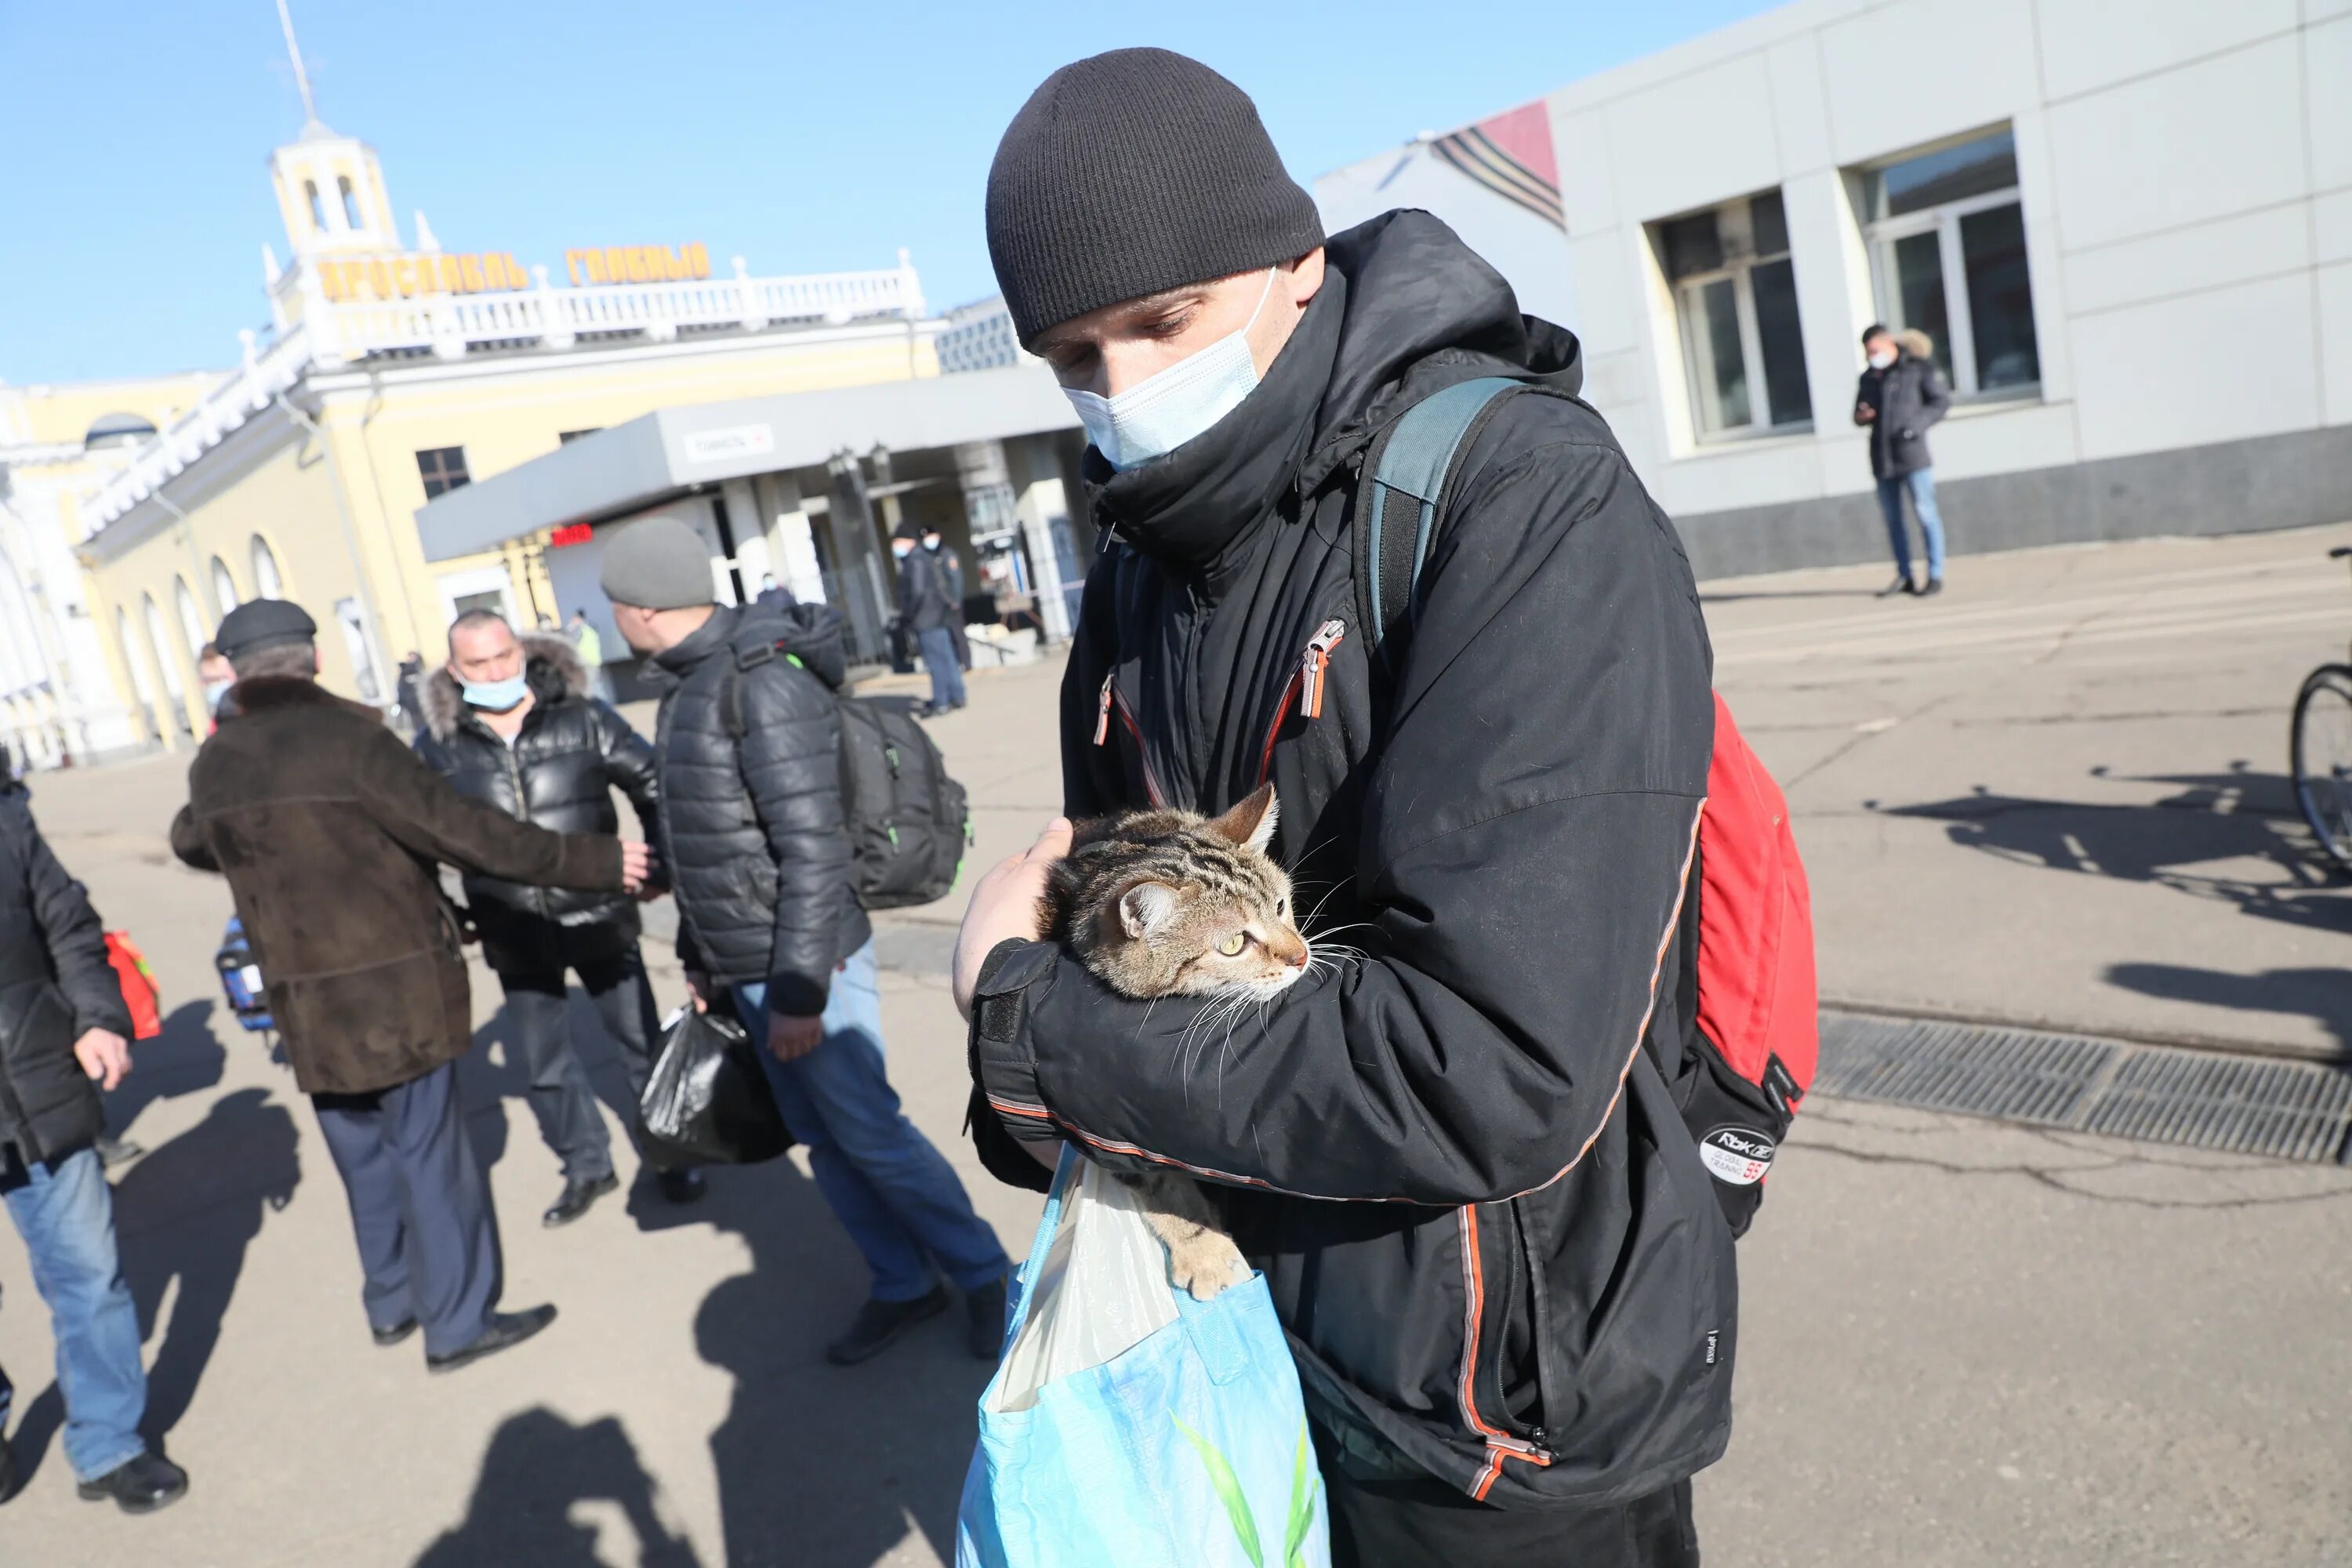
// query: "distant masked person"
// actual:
[[510, 722], [935, 544], [328, 831], [772, 594], [1900, 394], [64, 1037], [218, 676], [929, 611], [406, 690]]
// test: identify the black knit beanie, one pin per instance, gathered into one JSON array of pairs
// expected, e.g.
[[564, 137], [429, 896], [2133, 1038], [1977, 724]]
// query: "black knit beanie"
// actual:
[[1129, 172]]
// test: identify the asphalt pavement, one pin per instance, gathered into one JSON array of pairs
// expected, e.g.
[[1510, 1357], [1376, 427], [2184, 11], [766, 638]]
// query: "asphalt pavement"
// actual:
[[2051, 794]]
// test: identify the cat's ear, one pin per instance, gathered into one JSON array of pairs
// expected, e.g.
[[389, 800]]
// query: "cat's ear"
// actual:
[[1250, 824], [1145, 907]]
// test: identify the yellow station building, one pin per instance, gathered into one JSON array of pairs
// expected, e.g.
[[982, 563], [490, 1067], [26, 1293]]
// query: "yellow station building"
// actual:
[[133, 513]]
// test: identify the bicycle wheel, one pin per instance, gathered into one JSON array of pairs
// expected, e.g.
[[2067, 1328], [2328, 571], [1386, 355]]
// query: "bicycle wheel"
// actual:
[[2321, 752]]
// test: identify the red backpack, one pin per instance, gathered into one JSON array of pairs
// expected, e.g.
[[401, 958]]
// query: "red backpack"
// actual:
[[141, 994], [1753, 1003]]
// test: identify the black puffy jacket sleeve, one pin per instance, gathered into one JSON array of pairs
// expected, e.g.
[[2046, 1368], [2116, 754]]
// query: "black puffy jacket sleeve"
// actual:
[[629, 762], [1526, 833], [69, 925], [792, 766]]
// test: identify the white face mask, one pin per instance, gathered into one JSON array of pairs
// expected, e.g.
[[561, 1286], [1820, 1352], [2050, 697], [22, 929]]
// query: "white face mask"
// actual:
[[1161, 411], [1882, 359]]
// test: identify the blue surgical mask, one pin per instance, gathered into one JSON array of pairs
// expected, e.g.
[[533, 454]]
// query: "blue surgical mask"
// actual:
[[1161, 411], [496, 696], [213, 691]]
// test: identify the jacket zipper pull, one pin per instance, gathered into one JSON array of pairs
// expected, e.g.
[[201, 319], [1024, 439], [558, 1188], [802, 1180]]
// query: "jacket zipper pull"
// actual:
[[1102, 719], [1318, 658]]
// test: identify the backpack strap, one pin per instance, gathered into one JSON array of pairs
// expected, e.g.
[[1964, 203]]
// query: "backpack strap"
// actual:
[[731, 684], [1400, 508]]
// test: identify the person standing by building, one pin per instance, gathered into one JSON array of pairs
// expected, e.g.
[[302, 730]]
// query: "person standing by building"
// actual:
[[328, 829], [935, 544], [772, 594], [1456, 1156], [927, 611], [1901, 394], [508, 720], [64, 1039], [406, 690], [590, 648], [754, 841]]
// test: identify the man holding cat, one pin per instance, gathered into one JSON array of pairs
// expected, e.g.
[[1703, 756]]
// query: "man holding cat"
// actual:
[[1457, 1157]]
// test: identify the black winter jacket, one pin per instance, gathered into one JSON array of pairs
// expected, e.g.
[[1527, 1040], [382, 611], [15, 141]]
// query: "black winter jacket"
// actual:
[[560, 771], [1458, 1158], [1906, 398], [750, 811], [926, 599], [55, 986]]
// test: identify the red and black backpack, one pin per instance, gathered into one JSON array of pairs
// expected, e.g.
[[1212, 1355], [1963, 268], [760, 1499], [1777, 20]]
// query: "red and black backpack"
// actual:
[[1755, 1031]]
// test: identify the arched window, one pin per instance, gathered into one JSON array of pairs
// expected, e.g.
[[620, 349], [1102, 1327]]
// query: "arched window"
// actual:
[[223, 587], [351, 202], [131, 660], [317, 207], [116, 430], [267, 582], [159, 646], [192, 620]]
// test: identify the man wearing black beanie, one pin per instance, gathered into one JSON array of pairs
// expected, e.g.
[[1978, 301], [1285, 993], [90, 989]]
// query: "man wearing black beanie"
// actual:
[[1459, 1156]]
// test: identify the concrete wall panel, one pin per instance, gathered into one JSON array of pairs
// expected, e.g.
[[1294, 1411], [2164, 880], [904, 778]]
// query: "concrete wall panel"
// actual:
[[2088, 44], [1903, 74], [2327, 86], [1695, 142], [2182, 260], [2224, 135], [1588, 192], [2205, 368], [2333, 286]]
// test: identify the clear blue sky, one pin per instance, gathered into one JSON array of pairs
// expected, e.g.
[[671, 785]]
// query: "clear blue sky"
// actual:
[[803, 137]]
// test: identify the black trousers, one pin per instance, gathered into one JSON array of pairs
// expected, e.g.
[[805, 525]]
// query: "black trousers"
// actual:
[[532, 964], [1427, 1525], [420, 1207]]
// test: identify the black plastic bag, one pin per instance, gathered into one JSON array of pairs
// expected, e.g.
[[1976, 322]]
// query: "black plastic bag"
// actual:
[[707, 1101]]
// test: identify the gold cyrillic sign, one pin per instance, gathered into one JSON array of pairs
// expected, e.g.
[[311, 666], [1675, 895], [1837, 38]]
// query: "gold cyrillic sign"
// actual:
[[405, 276], [638, 263]]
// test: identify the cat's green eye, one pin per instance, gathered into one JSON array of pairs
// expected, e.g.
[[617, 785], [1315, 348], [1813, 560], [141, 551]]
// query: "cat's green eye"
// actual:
[[1231, 946]]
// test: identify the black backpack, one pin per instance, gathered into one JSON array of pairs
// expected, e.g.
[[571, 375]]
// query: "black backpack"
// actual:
[[909, 822]]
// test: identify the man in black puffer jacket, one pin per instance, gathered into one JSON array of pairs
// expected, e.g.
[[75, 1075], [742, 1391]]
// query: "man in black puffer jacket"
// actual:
[[1456, 1156], [752, 831], [510, 720], [64, 1036]]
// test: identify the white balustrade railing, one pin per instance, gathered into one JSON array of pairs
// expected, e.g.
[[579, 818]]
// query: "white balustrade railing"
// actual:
[[330, 335]]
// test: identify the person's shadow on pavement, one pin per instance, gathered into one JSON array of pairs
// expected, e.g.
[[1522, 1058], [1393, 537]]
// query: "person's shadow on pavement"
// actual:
[[188, 1212], [820, 1466], [526, 1506]]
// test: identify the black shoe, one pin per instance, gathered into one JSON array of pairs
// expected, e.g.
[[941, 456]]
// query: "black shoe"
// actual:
[[1935, 586], [682, 1187], [7, 1472], [141, 1486], [984, 1333], [1902, 584], [879, 1324], [113, 1153], [578, 1198], [506, 1330], [393, 1335]]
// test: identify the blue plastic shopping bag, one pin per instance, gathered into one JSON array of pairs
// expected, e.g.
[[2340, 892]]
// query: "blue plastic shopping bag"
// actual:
[[1130, 1424]]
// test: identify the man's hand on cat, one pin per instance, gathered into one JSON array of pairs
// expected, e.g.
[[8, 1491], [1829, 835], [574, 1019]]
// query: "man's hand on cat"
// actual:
[[789, 1039], [1004, 906]]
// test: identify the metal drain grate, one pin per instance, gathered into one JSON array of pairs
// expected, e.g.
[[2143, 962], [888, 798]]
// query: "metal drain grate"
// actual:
[[2292, 1111], [2288, 1110]]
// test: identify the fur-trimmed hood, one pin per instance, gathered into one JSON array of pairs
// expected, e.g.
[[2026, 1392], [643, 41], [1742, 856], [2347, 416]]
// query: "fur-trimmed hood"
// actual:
[[551, 664]]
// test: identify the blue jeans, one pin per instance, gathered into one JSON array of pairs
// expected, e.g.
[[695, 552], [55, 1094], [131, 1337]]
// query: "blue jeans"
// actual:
[[938, 644], [898, 1198], [66, 1215], [1921, 483]]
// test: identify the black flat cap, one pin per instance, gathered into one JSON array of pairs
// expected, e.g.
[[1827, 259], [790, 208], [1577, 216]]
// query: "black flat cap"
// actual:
[[260, 623]]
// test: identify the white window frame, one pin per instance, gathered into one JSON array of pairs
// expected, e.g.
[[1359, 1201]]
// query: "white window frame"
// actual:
[[1880, 237], [1740, 273]]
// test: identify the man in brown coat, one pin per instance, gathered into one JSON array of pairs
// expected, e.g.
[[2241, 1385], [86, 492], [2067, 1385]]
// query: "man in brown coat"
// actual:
[[330, 830]]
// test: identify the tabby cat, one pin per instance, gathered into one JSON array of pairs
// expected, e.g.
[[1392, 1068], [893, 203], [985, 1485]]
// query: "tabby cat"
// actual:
[[1167, 903]]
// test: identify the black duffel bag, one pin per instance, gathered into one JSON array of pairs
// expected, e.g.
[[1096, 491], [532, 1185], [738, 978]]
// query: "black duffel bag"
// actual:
[[706, 1101]]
